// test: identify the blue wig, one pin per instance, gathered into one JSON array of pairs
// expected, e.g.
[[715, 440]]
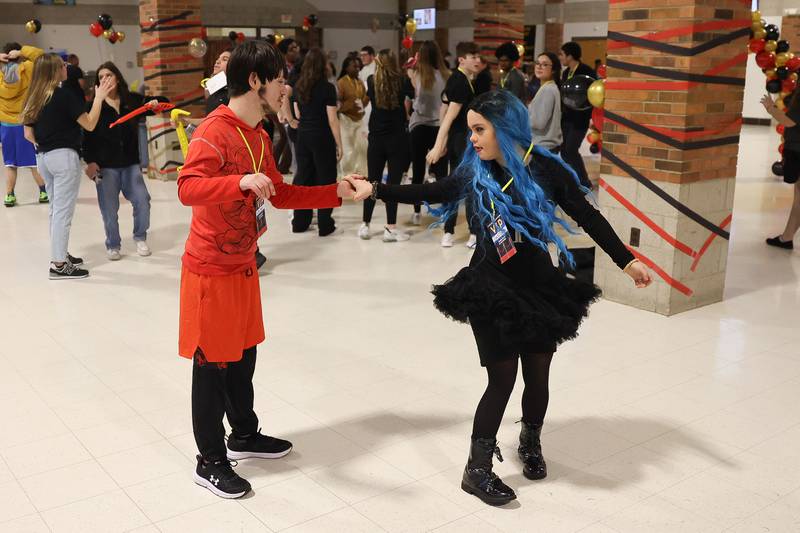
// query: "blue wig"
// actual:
[[536, 216]]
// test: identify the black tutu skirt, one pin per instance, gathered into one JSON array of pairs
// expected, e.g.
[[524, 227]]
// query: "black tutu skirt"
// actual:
[[509, 318]]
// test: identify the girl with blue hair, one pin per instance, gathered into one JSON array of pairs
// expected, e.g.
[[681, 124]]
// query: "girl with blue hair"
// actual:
[[519, 304]]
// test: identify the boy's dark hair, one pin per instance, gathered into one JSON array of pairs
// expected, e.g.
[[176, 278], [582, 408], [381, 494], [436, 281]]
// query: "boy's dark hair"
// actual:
[[572, 49], [284, 45], [368, 49], [464, 49], [253, 56], [508, 50], [10, 47]]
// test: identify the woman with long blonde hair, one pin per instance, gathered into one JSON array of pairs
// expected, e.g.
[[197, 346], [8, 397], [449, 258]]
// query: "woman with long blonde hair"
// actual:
[[429, 79], [53, 117], [387, 89]]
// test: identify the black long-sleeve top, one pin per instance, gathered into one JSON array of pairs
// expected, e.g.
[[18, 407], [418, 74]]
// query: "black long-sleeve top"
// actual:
[[531, 260], [116, 147]]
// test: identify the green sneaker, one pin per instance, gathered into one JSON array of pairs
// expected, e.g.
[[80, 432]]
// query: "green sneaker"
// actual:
[[43, 198], [10, 200]]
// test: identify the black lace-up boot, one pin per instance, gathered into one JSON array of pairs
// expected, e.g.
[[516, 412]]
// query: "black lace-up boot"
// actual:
[[530, 451], [480, 480]]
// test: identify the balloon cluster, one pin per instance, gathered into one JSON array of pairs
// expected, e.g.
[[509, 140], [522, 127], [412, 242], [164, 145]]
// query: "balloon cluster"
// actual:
[[33, 26], [237, 37], [409, 26], [309, 22], [596, 94], [104, 25], [780, 66]]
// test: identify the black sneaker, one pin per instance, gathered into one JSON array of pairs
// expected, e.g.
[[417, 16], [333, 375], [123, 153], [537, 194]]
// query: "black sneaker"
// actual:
[[77, 261], [219, 478], [67, 271], [778, 243], [257, 446]]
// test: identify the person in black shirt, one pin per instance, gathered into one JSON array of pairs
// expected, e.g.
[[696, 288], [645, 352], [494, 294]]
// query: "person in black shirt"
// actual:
[[483, 80], [790, 120], [452, 137], [387, 89], [574, 124], [319, 144], [112, 157], [53, 117], [511, 79]]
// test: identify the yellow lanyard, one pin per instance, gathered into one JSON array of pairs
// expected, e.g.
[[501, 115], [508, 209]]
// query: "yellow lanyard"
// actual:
[[510, 181], [468, 80], [504, 79], [256, 169], [571, 73]]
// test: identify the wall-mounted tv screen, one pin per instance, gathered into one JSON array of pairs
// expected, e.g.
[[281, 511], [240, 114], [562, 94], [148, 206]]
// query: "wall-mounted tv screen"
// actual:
[[426, 18]]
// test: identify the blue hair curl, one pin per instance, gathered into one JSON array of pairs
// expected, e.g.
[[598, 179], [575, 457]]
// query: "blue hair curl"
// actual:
[[537, 215]]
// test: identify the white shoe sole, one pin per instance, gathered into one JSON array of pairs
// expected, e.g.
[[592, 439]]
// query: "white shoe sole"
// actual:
[[203, 482], [56, 277], [145, 254], [238, 456]]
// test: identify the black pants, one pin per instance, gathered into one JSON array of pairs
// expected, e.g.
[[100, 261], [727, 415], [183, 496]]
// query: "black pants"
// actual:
[[502, 376], [389, 149], [456, 144], [422, 140], [220, 389], [316, 165], [573, 137]]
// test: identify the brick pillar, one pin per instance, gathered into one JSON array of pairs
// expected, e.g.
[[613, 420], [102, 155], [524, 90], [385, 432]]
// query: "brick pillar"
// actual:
[[790, 31], [497, 22], [169, 70], [670, 146], [553, 31]]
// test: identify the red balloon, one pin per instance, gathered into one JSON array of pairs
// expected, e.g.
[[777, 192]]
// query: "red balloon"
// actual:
[[114, 37], [765, 59], [780, 149], [601, 71], [204, 33], [408, 42], [788, 85], [240, 37], [96, 29], [793, 63], [780, 128], [757, 45], [597, 118]]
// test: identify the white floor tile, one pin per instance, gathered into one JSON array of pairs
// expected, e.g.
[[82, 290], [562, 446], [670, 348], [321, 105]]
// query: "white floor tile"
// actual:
[[346, 519], [144, 463], [43, 455], [67, 485], [410, 508], [360, 478], [222, 516], [14, 503], [170, 496], [105, 513]]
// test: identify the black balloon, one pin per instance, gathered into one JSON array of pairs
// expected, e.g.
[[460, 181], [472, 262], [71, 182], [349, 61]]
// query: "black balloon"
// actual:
[[770, 27], [105, 21], [777, 168], [312, 19], [782, 73], [783, 46], [774, 86], [594, 148], [573, 92], [232, 35], [773, 33]]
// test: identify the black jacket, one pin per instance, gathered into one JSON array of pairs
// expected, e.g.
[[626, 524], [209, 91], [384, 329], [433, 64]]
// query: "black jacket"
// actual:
[[578, 119]]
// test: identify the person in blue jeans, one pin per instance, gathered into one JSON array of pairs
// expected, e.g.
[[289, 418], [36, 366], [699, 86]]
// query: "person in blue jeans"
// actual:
[[112, 158]]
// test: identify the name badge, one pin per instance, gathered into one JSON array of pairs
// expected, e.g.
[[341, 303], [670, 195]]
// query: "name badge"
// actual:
[[501, 238], [261, 217]]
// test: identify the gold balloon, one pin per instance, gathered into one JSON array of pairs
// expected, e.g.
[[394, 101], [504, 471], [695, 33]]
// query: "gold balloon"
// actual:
[[771, 46], [594, 137], [521, 50], [107, 34], [759, 33], [756, 15], [197, 47], [793, 76], [30, 26], [597, 93], [781, 59], [757, 25], [411, 26], [120, 36], [771, 73], [278, 38], [779, 104]]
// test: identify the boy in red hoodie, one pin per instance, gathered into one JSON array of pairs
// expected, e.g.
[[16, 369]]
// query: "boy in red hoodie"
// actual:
[[228, 174]]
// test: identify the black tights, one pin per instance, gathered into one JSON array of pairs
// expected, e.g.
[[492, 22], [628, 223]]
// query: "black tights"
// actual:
[[502, 376]]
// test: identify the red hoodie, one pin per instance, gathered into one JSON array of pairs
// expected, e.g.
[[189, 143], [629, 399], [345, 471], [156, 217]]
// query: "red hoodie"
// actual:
[[222, 237]]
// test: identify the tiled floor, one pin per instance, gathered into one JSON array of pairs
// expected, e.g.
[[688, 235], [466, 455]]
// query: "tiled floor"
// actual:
[[688, 423]]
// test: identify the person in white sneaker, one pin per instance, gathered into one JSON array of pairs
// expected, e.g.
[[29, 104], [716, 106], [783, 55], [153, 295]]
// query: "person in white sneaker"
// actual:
[[388, 146], [112, 157]]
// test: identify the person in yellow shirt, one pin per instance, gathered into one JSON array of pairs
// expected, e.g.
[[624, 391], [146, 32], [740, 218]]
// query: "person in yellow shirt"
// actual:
[[16, 69], [352, 101]]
